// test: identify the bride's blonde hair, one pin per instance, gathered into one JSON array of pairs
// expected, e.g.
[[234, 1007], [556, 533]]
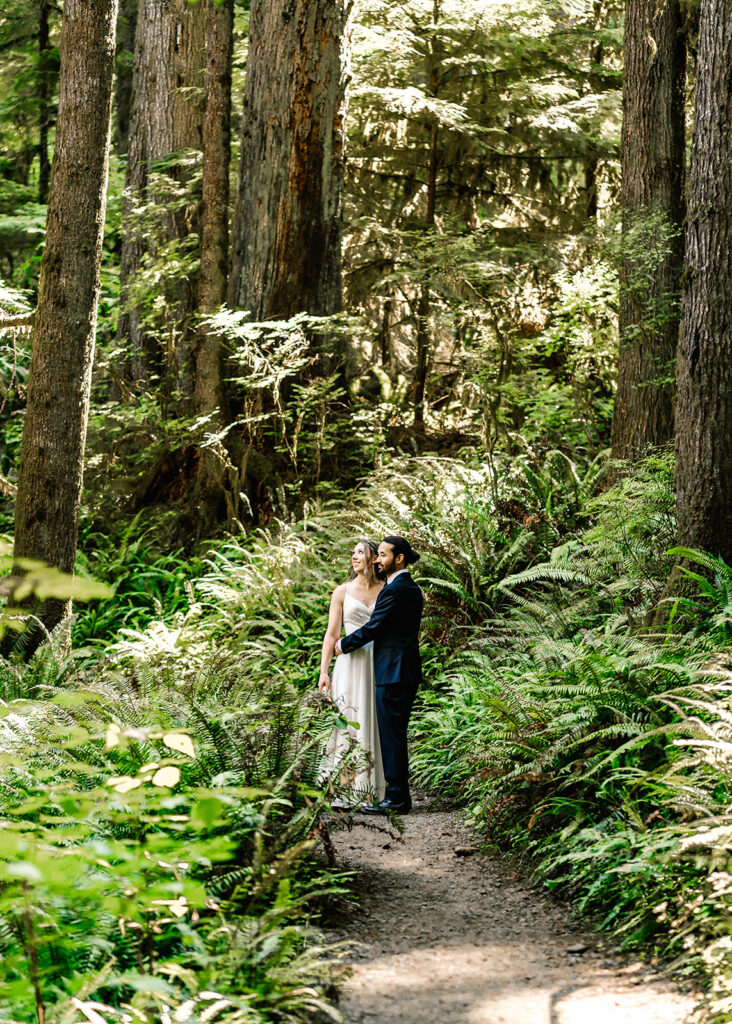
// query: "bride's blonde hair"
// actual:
[[372, 550]]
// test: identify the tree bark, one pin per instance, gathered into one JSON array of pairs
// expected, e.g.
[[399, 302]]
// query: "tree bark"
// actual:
[[216, 492], [126, 25], [423, 308], [588, 214], [704, 373], [165, 120], [212, 282], [44, 99], [652, 198], [422, 338], [54, 435], [287, 226]]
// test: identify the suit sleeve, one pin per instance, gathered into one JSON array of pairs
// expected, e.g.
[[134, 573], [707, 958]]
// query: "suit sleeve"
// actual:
[[378, 621]]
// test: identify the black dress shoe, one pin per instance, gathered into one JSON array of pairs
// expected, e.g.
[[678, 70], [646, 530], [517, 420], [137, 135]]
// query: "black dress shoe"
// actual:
[[385, 807]]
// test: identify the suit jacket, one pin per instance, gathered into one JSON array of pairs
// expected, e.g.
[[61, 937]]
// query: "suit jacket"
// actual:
[[394, 629]]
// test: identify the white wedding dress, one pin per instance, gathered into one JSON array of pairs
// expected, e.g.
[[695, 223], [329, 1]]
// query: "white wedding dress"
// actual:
[[354, 691]]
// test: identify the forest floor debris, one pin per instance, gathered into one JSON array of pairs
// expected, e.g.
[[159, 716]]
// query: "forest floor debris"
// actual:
[[445, 939]]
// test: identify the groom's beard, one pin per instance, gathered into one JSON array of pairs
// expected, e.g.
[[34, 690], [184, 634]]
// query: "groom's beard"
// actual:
[[379, 572]]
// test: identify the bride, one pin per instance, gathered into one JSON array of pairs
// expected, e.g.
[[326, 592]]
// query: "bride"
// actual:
[[352, 687]]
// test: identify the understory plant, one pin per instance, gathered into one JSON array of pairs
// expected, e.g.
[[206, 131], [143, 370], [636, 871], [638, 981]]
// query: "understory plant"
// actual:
[[156, 848], [597, 748]]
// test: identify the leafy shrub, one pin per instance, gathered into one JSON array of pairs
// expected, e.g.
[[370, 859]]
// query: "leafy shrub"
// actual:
[[147, 584], [151, 836], [593, 748]]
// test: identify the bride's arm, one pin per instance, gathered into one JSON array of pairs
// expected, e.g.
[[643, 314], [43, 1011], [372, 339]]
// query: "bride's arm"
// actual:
[[333, 632]]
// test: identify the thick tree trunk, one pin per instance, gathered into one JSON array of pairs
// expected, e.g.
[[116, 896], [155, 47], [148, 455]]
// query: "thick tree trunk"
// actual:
[[287, 226], [44, 99], [704, 375], [54, 435], [165, 120], [126, 25], [653, 143]]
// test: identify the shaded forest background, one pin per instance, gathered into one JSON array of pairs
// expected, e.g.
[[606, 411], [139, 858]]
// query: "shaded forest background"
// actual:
[[478, 307]]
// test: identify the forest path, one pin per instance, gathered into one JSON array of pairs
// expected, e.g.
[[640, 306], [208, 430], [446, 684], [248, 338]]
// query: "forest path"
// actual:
[[448, 939]]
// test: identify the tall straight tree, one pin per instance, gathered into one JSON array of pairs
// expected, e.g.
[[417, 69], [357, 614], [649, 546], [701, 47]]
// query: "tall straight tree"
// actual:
[[44, 98], [432, 75], [126, 25], [652, 198], [213, 278], [704, 372], [54, 434], [217, 486], [166, 119], [287, 226]]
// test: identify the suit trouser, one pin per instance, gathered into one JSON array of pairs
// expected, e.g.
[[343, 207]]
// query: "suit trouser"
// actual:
[[393, 707]]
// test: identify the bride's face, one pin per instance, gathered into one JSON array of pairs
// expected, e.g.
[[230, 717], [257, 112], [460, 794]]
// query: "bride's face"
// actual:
[[360, 560]]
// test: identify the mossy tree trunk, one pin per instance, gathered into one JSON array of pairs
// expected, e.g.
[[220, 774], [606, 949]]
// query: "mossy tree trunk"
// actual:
[[652, 199], [54, 434]]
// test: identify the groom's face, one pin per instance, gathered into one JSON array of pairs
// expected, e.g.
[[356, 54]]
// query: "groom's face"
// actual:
[[386, 562]]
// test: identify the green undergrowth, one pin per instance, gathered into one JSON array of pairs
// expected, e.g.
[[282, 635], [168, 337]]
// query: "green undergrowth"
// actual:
[[595, 748], [164, 847], [149, 582], [570, 733], [163, 789], [158, 846]]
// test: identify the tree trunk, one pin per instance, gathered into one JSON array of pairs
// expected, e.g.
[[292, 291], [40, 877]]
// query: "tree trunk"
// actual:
[[44, 99], [213, 277], [54, 435], [653, 145], [588, 212], [216, 490], [704, 374], [287, 225], [165, 120], [385, 344], [423, 353], [126, 25], [423, 308]]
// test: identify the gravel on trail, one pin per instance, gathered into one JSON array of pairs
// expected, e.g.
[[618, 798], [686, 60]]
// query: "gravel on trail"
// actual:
[[446, 937]]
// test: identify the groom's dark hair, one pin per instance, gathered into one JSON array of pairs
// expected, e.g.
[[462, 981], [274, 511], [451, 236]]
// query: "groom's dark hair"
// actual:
[[402, 547]]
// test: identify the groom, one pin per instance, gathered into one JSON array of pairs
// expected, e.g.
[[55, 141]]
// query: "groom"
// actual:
[[394, 629]]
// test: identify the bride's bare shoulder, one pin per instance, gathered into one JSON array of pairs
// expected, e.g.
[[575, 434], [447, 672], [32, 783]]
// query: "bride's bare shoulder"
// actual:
[[340, 592]]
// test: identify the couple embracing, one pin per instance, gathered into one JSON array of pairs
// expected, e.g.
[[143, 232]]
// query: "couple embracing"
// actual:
[[378, 667]]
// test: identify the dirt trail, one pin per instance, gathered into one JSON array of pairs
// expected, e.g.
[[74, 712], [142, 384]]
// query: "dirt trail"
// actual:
[[448, 939]]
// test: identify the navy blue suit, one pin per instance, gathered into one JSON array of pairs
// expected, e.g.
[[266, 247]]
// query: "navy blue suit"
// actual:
[[394, 629]]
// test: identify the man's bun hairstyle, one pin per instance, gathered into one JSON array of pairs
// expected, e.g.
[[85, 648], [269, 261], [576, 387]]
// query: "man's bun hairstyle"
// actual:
[[402, 547]]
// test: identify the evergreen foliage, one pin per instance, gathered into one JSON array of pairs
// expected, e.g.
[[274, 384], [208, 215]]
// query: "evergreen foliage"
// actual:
[[165, 845]]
